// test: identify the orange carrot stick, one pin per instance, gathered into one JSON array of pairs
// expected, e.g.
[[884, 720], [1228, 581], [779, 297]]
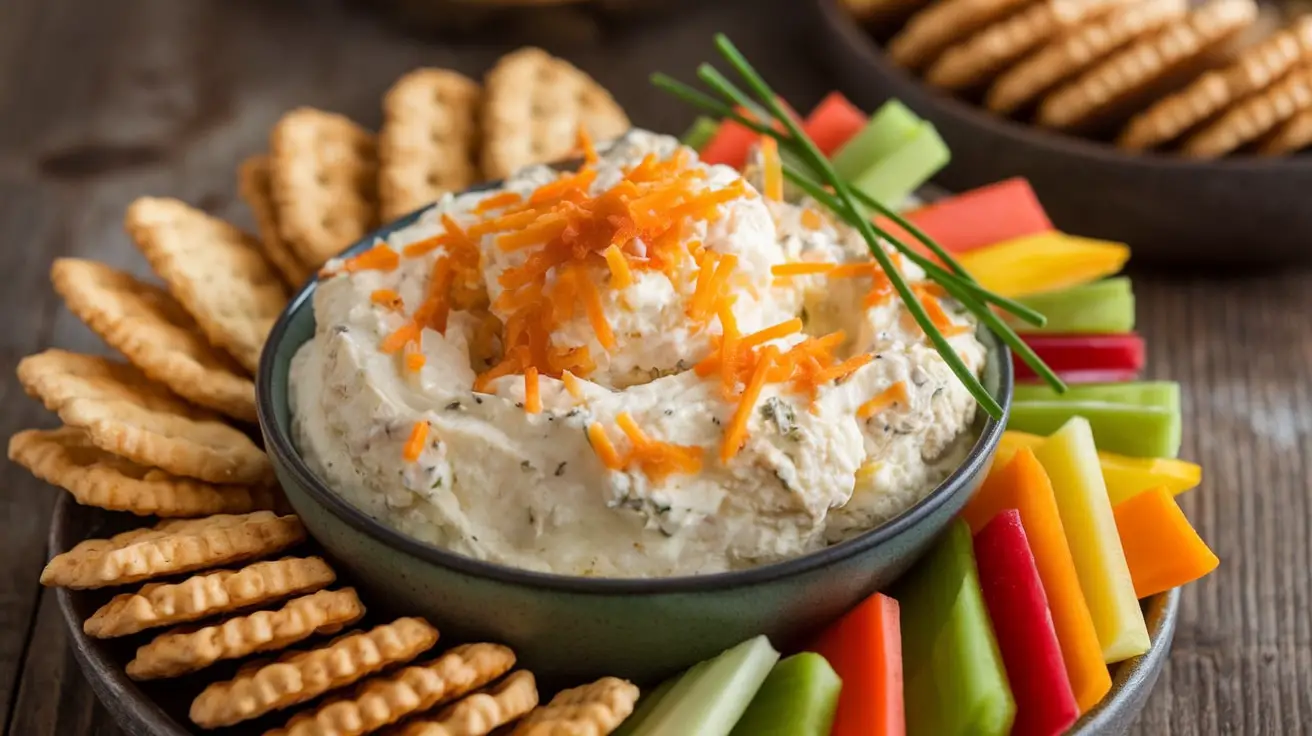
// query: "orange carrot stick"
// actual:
[[865, 648], [1161, 547]]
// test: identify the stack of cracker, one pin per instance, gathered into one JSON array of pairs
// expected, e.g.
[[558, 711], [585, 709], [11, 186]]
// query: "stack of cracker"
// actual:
[[1204, 79], [166, 432]]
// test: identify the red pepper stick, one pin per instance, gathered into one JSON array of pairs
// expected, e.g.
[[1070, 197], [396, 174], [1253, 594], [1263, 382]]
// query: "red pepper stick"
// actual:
[[1087, 358], [1013, 593]]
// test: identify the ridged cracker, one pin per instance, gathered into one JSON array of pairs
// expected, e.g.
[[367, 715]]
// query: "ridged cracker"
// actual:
[[324, 173], [983, 55], [255, 185], [594, 709], [172, 547], [126, 414], [1141, 72], [295, 677], [155, 333], [214, 269], [178, 652], [1253, 118], [385, 700], [533, 107], [1076, 51], [480, 713], [66, 457], [1291, 137], [209, 594], [1254, 70], [942, 24], [429, 142]]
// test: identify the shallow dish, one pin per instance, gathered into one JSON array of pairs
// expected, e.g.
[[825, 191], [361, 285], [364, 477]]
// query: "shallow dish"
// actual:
[[160, 708], [575, 628], [1245, 210]]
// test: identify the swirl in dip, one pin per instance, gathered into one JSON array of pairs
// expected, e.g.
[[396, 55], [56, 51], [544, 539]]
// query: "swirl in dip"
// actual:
[[642, 369]]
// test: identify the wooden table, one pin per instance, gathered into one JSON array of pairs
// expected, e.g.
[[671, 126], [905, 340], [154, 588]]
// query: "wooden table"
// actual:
[[102, 102]]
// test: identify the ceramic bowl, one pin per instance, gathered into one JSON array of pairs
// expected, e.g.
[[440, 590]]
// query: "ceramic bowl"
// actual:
[[1241, 210], [576, 628]]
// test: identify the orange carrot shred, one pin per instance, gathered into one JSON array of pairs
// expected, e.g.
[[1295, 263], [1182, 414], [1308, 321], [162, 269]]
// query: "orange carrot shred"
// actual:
[[378, 258], [622, 276], [801, 268], [387, 298], [737, 431], [631, 429], [844, 369], [532, 391], [415, 444], [774, 332], [897, 393], [773, 169], [414, 360], [406, 333], [585, 145], [572, 384], [596, 314], [602, 446], [812, 220], [852, 270], [497, 201]]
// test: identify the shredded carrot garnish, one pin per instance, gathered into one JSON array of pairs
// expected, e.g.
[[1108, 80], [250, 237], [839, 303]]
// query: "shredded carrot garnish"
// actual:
[[886, 398], [773, 174], [774, 332], [812, 220], [621, 276], [532, 391], [415, 444], [602, 446], [937, 315], [572, 384], [414, 360], [844, 369], [596, 315], [631, 429], [737, 431], [378, 258], [585, 146], [498, 201], [852, 270], [802, 268], [387, 298], [405, 334]]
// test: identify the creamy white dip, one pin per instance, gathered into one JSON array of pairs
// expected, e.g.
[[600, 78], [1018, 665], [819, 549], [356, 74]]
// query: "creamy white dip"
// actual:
[[499, 483]]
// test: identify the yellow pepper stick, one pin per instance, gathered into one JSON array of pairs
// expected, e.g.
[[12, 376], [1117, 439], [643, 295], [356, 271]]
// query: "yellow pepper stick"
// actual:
[[1126, 477], [1043, 262], [1021, 484], [1071, 460], [1161, 547]]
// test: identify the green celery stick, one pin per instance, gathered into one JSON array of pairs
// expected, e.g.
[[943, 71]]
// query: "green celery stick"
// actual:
[[1071, 460], [797, 699], [955, 681], [646, 705], [889, 128], [1137, 431], [710, 698], [895, 176], [1160, 394], [702, 131], [1103, 307]]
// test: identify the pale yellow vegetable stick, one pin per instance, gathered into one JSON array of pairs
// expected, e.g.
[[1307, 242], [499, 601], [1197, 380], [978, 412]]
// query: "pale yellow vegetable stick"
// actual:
[[1044, 262], [1126, 477], [1071, 460]]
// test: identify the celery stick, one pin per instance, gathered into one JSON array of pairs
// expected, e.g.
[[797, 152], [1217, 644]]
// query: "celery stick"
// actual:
[[955, 681], [710, 698], [648, 704], [1102, 307], [1159, 394], [893, 177], [1071, 460], [797, 699], [702, 131], [889, 128], [1137, 431]]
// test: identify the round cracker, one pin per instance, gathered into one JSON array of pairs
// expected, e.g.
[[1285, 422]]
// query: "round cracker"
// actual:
[[429, 142], [214, 269], [1106, 91], [126, 414], [533, 107], [154, 332], [1253, 118], [1254, 70], [66, 457], [942, 24], [1076, 51], [255, 185]]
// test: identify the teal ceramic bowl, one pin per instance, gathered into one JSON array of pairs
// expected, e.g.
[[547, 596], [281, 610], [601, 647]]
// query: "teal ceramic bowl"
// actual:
[[568, 628]]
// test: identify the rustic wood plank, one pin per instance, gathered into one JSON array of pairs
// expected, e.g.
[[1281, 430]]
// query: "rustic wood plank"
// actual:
[[164, 97]]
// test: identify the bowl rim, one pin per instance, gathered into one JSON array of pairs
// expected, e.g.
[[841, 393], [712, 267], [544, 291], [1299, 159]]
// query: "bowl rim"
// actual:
[[850, 33], [281, 448]]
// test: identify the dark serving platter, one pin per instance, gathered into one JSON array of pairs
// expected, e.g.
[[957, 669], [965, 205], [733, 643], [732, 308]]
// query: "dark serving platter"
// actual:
[[1243, 210], [160, 708]]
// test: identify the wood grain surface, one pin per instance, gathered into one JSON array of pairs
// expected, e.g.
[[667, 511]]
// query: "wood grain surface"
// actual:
[[101, 102]]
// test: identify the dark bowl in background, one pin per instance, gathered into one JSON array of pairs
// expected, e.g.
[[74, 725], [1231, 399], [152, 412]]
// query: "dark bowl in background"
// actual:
[[470, 16], [1243, 210]]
